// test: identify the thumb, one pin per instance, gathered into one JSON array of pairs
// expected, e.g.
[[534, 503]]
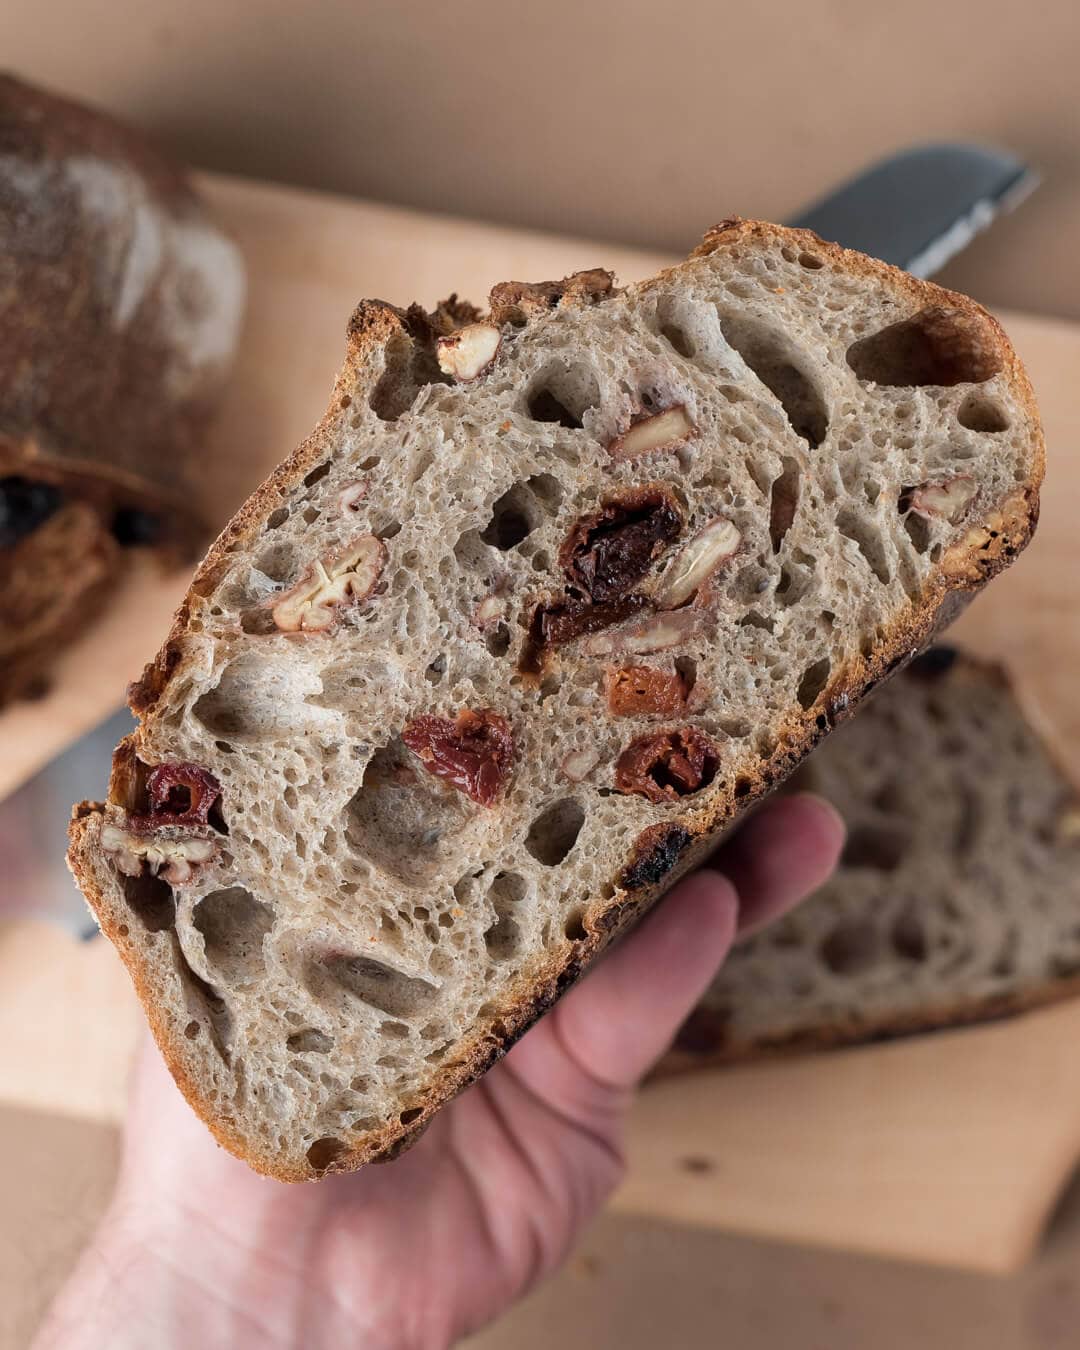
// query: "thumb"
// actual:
[[623, 1016]]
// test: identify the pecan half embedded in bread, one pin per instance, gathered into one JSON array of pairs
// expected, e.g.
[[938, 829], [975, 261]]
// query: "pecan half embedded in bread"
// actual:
[[696, 562], [469, 352], [315, 602], [947, 500], [172, 858], [665, 430]]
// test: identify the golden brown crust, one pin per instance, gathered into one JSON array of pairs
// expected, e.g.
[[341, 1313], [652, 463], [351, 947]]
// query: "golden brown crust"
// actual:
[[382, 337], [710, 1051]]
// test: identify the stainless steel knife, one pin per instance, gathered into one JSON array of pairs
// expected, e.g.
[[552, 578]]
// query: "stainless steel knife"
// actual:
[[919, 208], [915, 209]]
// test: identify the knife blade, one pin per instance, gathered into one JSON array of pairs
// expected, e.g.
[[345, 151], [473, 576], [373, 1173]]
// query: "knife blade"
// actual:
[[915, 209], [919, 208]]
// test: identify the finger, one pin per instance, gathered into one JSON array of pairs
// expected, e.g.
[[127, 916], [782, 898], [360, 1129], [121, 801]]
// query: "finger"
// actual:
[[623, 1016], [779, 856]]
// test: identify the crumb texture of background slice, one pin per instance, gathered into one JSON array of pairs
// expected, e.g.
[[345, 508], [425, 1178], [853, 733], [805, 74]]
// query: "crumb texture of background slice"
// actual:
[[958, 895]]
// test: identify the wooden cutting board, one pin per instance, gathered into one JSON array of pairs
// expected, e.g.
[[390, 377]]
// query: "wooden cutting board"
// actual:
[[948, 1148]]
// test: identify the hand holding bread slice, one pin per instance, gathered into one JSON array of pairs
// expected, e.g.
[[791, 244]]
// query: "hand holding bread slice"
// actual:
[[493, 659]]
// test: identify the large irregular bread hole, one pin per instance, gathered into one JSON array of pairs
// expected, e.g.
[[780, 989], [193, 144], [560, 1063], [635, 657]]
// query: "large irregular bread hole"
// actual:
[[380, 986], [851, 947], [151, 900], [783, 501], [778, 364], [866, 536], [204, 1003], [233, 924], [310, 1041], [513, 517], [979, 413], [554, 832], [813, 682], [324, 1154], [563, 393], [402, 819], [409, 366], [918, 531], [908, 937], [258, 696], [679, 339], [938, 346], [878, 846], [503, 938]]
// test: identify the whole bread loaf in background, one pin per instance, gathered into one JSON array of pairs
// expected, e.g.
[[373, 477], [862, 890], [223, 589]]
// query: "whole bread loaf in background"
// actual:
[[957, 898], [546, 600], [120, 303]]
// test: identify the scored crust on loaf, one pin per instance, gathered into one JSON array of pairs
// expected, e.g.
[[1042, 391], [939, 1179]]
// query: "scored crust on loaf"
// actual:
[[958, 895], [379, 915]]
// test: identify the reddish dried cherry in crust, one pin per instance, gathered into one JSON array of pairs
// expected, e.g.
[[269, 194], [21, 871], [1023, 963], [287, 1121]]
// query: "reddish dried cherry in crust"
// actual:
[[473, 751], [667, 766], [608, 552], [180, 794]]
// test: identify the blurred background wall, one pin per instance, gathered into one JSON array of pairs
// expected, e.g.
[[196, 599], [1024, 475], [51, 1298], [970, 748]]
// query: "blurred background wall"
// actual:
[[620, 119]]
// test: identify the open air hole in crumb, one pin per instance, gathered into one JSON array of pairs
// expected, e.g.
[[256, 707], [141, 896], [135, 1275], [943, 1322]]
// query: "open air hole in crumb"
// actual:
[[554, 832], [940, 345], [513, 517], [783, 370], [563, 394]]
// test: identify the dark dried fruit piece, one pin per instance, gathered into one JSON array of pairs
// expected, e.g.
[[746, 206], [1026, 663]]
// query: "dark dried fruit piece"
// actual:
[[24, 505], [637, 691], [180, 794], [607, 552], [552, 625], [704, 1031], [657, 850], [133, 527], [667, 766], [472, 752]]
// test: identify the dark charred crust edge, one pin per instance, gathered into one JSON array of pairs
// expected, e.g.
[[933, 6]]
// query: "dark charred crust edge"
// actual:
[[372, 325], [656, 852]]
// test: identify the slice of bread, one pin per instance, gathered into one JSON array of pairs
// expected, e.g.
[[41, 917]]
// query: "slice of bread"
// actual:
[[958, 895], [120, 303], [545, 601]]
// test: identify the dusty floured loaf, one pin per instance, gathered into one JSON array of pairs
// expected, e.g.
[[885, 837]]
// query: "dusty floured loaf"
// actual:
[[542, 604], [958, 896], [120, 302]]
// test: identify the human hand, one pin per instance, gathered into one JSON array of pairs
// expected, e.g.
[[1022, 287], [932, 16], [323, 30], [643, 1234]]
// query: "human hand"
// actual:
[[198, 1250]]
